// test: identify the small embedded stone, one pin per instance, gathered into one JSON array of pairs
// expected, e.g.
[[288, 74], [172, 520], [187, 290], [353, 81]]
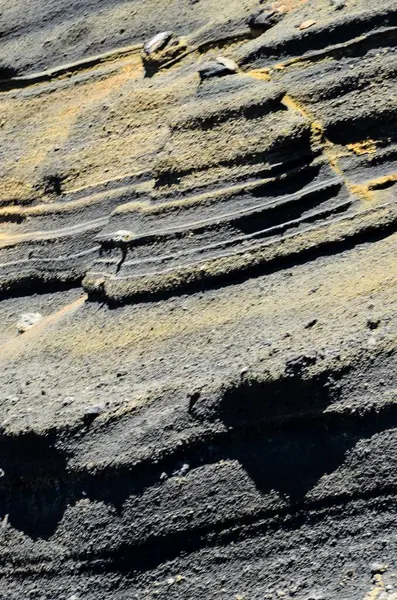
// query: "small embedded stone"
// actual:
[[218, 68], [307, 24], [311, 324], [338, 4], [122, 235], [373, 323], [184, 469], [264, 19], [94, 411], [158, 42], [67, 401], [378, 568], [27, 321]]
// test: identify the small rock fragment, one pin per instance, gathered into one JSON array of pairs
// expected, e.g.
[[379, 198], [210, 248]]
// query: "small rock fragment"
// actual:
[[68, 400], [27, 321], [158, 42], [378, 568], [94, 411], [264, 19], [218, 68], [122, 236], [307, 24], [184, 469], [338, 4], [311, 324], [160, 50], [243, 372], [228, 63], [373, 323]]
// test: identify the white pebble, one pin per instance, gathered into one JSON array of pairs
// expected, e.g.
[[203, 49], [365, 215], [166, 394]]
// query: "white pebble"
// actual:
[[27, 321]]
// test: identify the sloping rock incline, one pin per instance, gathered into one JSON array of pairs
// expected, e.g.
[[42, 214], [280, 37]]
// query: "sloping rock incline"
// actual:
[[198, 316]]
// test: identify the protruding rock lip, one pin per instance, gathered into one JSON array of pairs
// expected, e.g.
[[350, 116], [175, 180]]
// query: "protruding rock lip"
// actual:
[[219, 67], [330, 237], [262, 19], [161, 50]]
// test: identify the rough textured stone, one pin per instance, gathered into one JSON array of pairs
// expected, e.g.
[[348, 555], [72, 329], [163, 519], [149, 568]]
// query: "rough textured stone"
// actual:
[[207, 223]]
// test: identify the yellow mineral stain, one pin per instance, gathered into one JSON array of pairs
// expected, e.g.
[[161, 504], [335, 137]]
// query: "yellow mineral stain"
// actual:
[[49, 117], [364, 147], [377, 590], [380, 182], [262, 74], [362, 191], [333, 152], [366, 190]]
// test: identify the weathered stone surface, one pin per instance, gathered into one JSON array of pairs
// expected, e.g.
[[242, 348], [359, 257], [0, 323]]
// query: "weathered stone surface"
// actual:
[[206, 222]]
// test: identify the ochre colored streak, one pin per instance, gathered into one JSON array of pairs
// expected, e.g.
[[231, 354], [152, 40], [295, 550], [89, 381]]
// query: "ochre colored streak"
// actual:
[[380, 182], [318, 135], [262, 74], [377, 590], [330, 150], [364, 147], [365, 190], [18, 344]]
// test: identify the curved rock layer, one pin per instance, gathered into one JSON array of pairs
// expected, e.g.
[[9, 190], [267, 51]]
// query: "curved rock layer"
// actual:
[[143, 181], [199, 232]]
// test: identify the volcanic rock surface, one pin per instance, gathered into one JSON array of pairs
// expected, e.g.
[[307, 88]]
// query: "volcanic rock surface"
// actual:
[[198, 316]]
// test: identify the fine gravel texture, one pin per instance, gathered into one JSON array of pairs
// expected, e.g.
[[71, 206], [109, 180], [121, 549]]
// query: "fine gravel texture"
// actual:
[[198, 285]]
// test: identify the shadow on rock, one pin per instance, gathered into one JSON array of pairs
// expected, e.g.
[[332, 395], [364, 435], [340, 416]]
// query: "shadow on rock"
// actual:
[[33, 471], [280, 434]]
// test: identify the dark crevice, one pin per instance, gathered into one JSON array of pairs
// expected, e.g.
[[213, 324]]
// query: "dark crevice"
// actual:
[[285, 212], [277, 430], [287, 146], [133, 560], [344, 131], [224, 42], [38, 286], [123, 250], [298, 197], [250, 112], [12, 218], [7, 72], [283, 171], [335, 33]]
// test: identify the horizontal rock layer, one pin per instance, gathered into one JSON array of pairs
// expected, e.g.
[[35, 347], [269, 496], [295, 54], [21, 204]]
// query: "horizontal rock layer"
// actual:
[[205, 406], [142, 184]]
